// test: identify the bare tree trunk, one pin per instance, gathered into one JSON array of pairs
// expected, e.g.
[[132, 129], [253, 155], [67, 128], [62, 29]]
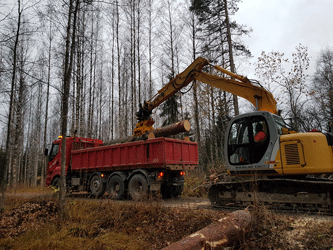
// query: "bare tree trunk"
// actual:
[[3, 178], [28, 170], [83, 124], [149, 49], [47, 104], [125, 96], [112, 78], [78, 86], [18, 133], [231, 57], [120, 124], [64, 110], [133, 63], [91, 97], [195, 86], [138, 46], [171, 41], [213, 147], [92, 125]]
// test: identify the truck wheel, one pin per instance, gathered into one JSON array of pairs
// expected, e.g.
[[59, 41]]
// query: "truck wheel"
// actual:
[[169, 191], [178, 190], [97, 187], [56, 183], [166, 191], [138, 187], [116, 187]]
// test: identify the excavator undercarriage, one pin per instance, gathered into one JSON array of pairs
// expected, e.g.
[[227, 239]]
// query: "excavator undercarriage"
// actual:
[[301, 194]]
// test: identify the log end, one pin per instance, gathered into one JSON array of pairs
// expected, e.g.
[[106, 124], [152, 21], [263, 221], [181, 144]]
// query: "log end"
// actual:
[[187, 125], [151, 136]]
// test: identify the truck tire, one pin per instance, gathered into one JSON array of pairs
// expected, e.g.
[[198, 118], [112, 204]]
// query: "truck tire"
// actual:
[[178, 190], [97, 186], [166, 191], [169, 191], [56, 183], [116, 187], [138, 187]]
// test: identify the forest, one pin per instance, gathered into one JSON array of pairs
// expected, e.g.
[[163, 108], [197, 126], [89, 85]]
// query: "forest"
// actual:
[[86, 65]]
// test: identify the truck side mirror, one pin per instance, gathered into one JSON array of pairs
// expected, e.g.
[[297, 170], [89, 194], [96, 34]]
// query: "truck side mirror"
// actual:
[[46, 152]]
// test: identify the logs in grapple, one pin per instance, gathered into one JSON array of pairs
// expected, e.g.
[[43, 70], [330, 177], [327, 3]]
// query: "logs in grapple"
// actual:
[[143, 137], [172, 129]]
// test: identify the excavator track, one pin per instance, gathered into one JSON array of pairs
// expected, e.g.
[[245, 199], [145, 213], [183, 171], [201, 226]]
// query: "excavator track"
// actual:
[[310, 194]]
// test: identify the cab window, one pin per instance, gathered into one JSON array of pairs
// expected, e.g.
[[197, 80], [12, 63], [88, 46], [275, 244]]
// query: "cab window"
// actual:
[[54, 151], [248, 140], [280, 124]]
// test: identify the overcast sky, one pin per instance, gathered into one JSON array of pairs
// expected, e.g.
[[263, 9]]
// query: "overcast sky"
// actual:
[[280, 25]]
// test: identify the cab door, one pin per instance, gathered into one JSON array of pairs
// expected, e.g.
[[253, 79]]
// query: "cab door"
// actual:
[[245, 151], [244, 147]]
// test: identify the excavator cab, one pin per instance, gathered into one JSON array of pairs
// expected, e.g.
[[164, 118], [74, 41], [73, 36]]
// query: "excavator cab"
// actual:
[[250, 143]]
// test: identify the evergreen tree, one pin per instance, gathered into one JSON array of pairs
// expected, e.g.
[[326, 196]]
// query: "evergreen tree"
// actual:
[[170, 108], [214, 21]]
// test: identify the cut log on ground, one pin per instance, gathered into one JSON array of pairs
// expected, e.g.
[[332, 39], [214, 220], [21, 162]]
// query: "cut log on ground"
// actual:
[[143, 137], [172, 129], [218, 234]]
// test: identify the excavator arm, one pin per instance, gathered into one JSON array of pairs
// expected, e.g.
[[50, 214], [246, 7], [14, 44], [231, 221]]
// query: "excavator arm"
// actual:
[[237, 85], [258, 96]]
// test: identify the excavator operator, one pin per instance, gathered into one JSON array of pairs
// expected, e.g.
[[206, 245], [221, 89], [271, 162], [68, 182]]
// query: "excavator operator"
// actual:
[[260, 134]]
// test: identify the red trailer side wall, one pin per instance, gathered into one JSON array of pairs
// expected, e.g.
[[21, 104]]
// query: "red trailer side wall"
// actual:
[[153, 153]]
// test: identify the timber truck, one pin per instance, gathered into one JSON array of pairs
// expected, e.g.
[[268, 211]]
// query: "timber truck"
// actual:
[[286, 168], [133, 169]]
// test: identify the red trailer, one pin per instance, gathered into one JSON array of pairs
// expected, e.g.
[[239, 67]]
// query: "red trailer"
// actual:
[[134, 168]]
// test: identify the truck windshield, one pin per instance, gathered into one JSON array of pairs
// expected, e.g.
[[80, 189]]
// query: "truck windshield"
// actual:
[[54, 151]]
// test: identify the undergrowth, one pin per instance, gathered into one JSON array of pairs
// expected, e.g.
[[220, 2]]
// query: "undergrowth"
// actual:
[[270, 230], [33, 223], [21, 188], [97, 224], [195, 186]]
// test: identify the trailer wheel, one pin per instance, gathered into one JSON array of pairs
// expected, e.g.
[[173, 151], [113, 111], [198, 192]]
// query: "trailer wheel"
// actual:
[[138, 187], [97, 186], [116, 187]]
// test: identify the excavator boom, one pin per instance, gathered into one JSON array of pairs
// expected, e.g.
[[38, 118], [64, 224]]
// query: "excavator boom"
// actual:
[[236, 84], [258, 96], [176, 84]]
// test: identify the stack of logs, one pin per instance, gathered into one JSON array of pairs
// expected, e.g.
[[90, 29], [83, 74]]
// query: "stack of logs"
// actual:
[[172, 129]]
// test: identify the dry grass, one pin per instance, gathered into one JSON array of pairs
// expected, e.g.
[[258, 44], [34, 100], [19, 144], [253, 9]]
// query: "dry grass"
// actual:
[[97, 224], [195, 186], [271, 230], [33, 223], [31, 190]]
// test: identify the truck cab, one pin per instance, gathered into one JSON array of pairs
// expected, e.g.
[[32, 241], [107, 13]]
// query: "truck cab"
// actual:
[[54, 156]]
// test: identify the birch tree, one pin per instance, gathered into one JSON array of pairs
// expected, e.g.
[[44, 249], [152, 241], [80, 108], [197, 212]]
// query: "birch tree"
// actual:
[[322, 89], [69, 53], [290, 83]]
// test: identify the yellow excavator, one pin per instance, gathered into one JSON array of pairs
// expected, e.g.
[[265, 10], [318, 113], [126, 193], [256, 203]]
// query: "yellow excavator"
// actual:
[[291, 165]]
